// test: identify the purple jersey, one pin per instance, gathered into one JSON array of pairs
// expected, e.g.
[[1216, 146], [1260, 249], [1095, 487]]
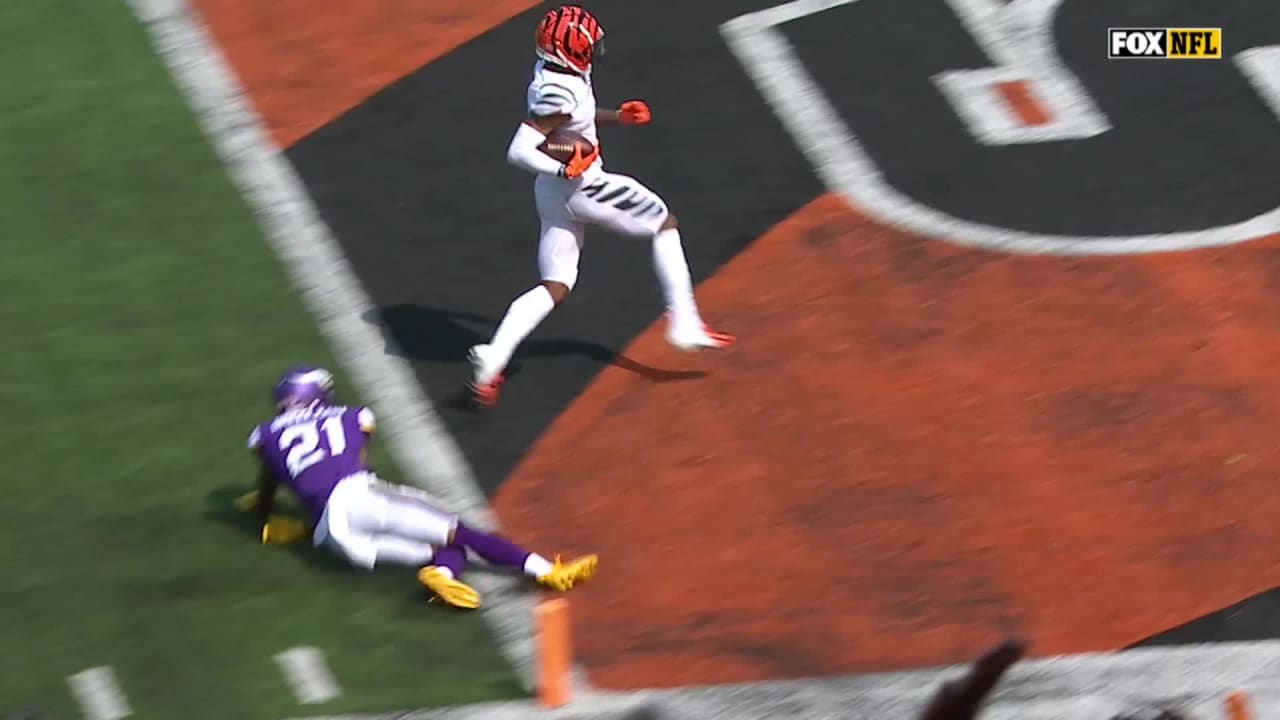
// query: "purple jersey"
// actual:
[[311, 449]]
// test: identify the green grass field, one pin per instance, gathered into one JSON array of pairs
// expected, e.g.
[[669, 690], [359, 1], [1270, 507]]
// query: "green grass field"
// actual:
[[144, 321]]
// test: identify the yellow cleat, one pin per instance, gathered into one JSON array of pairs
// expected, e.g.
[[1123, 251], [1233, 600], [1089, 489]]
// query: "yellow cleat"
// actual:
[[564, 576], [451, 590], [281, 530]]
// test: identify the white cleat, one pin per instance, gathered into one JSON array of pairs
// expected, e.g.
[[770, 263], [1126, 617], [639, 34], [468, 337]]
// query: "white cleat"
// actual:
[[485, 381], [698, 337]]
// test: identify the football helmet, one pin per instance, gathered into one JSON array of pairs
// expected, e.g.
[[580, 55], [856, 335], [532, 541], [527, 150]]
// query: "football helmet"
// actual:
[[570, 37], [303, 386]]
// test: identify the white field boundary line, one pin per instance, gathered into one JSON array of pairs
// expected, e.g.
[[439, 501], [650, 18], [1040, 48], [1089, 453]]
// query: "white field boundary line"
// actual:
[[322, 274], [1194, 679]]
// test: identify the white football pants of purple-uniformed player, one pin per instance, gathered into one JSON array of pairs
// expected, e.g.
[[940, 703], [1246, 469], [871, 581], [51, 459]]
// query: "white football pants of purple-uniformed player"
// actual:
[[370, 522]]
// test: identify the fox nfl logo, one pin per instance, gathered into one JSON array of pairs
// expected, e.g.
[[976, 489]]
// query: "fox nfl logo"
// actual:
[[1164, 43]]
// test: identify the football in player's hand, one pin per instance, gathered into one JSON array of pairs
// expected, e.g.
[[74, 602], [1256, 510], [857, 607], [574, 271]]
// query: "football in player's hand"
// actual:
[[560, 143]]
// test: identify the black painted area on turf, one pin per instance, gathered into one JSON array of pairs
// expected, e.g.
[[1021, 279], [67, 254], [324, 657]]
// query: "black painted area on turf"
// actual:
[[443, 232], [1192, 144], [1257, 618]]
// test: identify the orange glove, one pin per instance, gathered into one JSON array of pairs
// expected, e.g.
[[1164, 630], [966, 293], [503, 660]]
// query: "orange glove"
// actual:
[[634, 112], [579, 163]]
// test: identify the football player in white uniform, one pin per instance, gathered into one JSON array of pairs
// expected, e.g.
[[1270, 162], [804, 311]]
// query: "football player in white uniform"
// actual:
[[577, 193]]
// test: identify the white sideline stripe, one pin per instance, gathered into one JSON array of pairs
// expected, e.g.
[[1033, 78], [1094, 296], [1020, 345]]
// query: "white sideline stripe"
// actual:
[[1094, 686], [314, 261], [308, 674], [601, 706], [99, 694]]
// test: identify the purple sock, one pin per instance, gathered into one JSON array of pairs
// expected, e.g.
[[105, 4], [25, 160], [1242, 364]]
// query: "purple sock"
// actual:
[[494, 549], [453, 557]]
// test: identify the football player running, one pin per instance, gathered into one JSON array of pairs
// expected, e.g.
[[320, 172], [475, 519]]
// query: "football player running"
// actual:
[[318, 449], [569, 196]]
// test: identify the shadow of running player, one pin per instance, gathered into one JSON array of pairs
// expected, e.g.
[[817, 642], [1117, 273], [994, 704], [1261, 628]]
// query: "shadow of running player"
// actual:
[[419, 332]]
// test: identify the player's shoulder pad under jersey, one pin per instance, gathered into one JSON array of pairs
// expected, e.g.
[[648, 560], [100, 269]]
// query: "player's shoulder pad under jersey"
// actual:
[[555, 98], [364, 416], [255, 438]]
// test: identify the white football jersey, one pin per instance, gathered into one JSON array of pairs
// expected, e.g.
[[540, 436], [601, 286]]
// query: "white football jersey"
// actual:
[[553, 93]]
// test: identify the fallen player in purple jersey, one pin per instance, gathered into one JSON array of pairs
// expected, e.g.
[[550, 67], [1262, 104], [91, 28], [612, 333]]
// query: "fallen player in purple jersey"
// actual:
[[318, 449]]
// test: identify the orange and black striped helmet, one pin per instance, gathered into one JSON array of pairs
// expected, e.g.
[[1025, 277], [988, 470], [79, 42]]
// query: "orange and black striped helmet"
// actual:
[[570, 37]]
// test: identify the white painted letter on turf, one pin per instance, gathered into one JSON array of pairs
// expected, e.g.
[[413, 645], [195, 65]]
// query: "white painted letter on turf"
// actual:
[[846, 168], [1261, 65], [1018, 39]]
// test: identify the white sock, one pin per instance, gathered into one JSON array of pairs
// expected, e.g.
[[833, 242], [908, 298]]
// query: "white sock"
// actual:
[[673, 274], [444, 571], [535, 566], [522, 317]]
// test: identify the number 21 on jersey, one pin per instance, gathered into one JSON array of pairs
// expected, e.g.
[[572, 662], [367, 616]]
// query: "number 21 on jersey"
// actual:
[[303, 443]]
